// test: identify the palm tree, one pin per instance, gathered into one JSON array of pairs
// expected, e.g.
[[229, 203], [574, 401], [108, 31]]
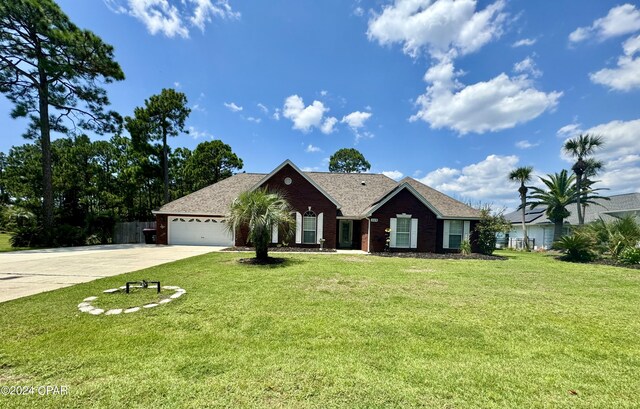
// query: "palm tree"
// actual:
[[523, 175], [560, 193], [260, 210], [581, 147], [592, 168]]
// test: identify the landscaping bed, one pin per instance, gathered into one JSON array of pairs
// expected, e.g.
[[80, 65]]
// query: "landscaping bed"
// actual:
[[282, 249], [440, 256]]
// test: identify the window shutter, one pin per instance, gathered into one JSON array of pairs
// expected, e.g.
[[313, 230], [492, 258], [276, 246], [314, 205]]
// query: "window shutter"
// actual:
[[414, 233], [320, 227], [298, 228], [274, 233], [393, 222], [465, 230], [445, 235]]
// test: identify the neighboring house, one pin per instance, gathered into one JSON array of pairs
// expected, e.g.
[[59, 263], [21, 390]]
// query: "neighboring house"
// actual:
[[337, 210], [540, 228]]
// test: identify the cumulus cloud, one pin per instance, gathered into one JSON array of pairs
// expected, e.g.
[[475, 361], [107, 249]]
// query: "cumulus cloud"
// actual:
[[626, 75], [233, 107], [527, 66], [328, 126], [173, 18], [484, 181], [440, 26], [312, 149], [393, 174], [303, 117], [525, 42], [500, 103], [620, 154], [356, 119], [621, 20]]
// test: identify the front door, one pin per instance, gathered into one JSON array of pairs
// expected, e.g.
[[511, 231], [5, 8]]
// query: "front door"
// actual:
[[346, 233]]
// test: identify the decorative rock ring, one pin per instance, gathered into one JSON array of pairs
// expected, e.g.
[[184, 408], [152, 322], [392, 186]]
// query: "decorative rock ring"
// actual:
[[85, 305]]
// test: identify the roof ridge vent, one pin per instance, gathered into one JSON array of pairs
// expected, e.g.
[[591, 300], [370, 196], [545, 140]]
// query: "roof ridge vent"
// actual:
[[363, 183]]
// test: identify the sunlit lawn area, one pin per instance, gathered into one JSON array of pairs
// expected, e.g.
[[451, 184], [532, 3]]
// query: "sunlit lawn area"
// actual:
[[328, 331], [5, 244]]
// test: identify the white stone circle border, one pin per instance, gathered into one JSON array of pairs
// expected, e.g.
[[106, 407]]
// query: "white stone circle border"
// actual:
[[85, 305]]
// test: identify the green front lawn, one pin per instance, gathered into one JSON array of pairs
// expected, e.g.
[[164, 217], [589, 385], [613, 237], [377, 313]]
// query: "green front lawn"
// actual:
[[339, 331], [5, 244]]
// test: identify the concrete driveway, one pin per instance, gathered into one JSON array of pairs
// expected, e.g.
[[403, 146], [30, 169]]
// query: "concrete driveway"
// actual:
[[24, 273]]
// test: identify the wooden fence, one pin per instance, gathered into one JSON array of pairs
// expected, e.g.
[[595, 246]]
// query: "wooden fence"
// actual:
[[131, 232]]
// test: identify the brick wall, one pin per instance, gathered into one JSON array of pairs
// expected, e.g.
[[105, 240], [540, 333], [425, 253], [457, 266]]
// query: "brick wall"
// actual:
[[162, 229], [406, 202], [301, 195]]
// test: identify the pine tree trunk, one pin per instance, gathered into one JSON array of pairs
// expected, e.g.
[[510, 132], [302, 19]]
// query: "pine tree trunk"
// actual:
[[45, 146], [165, 165]]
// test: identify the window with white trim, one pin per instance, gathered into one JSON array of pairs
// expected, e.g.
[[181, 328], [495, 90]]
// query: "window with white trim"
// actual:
[[309, 228], [403, 232], [455, 233]]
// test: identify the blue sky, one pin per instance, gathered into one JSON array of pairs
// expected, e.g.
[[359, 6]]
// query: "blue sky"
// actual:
[[453, 93]]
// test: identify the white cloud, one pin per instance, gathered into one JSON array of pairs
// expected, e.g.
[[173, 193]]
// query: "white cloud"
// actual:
[[621, 20], [197, 134], [303, 117], [569, 131], [527, 66], [328, 126], [525, 42], [500, 103], [198, 108], [176, 84], [205, 10], [626, 76], [358, 11], [312, 149], [253, 119], [171, 17], [440, 26], [485, 181], [393, 174], [263, 108], [276, 114], [233, 107], [525, 144], [620, 154], [356, 119], [324, 92]]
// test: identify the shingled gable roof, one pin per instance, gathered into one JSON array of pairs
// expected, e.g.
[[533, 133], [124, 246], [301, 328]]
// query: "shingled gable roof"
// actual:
[[303, 174], [355, 194], [443, 206]]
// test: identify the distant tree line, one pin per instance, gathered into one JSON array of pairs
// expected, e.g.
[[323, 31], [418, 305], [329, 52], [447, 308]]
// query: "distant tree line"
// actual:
[[72, 190]]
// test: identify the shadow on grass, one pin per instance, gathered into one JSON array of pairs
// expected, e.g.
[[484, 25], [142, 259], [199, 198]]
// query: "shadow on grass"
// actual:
[[271, 262]]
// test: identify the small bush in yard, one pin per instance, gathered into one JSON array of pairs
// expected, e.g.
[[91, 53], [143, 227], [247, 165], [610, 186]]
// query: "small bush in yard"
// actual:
[[576, 248], [630, 255], [465, 248], [487, 228]]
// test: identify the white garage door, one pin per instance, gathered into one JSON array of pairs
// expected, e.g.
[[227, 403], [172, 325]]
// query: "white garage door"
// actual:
[[199, 231]]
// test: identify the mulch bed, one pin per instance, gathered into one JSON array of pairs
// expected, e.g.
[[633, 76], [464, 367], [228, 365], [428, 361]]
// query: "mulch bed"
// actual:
[[447, 256], [283, 249]]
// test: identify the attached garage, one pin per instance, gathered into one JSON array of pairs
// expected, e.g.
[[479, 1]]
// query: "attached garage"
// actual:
[[199, 231]]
